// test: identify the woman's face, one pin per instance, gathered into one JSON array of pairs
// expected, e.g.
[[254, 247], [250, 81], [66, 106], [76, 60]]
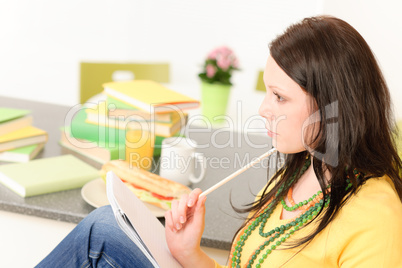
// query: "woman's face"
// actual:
[[285, 108]]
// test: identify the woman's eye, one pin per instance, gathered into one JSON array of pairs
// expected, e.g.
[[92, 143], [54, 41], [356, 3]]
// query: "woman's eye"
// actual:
[[278, 97]]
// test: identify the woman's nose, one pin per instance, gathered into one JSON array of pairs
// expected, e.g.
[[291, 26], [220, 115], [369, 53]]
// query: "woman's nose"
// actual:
[[265, 109]]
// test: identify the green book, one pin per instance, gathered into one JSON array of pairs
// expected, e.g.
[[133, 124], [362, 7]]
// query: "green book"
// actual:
[[47, 175], [105, 137], [7, 114], [13, 119], [22, 154], [104, 153]]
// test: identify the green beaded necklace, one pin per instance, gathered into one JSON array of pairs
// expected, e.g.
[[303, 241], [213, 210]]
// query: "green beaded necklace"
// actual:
[[278, 235], [303, 203], [274, 234]]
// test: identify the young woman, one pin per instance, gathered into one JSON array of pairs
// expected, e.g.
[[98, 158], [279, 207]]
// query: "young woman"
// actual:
[[336, 202]]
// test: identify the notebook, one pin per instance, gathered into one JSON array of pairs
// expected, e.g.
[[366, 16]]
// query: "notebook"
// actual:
[[138, 222]]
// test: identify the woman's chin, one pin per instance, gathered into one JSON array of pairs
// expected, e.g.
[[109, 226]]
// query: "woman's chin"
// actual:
[[286, 149]]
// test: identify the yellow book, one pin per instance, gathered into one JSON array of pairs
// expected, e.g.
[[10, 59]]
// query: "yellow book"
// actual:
[[22, 137], [98, 116], [103, 108], [149, 96], [118, 108], [143, 116]]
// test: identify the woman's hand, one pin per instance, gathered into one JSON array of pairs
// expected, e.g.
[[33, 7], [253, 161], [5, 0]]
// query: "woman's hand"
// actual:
[[184, 225]]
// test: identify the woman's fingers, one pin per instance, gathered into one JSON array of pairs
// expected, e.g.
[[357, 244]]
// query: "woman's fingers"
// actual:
[[179, 213], [200, 206], [193, 198], [175, 215], [169, 221], [182, 213]]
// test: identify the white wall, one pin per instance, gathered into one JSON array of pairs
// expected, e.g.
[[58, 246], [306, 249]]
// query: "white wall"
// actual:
[[380, 23], [43, 41]]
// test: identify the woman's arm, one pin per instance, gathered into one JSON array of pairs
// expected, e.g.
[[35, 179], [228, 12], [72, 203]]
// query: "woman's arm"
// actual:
[[184, 225]]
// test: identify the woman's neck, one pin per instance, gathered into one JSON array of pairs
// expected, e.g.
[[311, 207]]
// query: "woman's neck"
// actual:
[[304, 188]]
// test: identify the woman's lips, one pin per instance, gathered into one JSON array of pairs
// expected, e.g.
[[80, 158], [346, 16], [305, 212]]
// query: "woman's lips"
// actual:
[[271, 134]]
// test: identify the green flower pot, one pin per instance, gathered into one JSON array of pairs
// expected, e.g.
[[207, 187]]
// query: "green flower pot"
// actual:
[[214, 100]]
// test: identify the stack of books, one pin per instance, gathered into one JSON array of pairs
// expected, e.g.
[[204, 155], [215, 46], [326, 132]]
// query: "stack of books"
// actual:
[[99, 132], [19, 140]]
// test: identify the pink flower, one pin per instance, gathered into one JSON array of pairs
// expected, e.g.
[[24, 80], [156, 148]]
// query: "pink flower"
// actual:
[[220, 59], [220, 52], [224, 63], [224, 50], [212, 54], [210, 70]]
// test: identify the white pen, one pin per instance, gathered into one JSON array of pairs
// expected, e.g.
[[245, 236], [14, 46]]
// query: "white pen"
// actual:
[[238, 172]]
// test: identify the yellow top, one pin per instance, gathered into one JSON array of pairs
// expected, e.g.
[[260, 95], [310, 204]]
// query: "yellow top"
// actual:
[[367, 232]]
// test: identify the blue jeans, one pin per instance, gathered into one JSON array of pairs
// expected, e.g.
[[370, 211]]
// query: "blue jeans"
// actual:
[[97, 241]]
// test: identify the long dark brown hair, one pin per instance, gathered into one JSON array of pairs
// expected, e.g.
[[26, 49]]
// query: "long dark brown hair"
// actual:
[[332, 62]]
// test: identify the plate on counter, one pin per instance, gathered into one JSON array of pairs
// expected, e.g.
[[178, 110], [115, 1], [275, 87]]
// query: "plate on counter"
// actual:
[[94, 193]]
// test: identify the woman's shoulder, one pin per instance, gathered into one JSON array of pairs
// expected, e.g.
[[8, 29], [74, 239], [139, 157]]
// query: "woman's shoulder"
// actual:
[[375, 202], [379, 192], [367, 231]]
